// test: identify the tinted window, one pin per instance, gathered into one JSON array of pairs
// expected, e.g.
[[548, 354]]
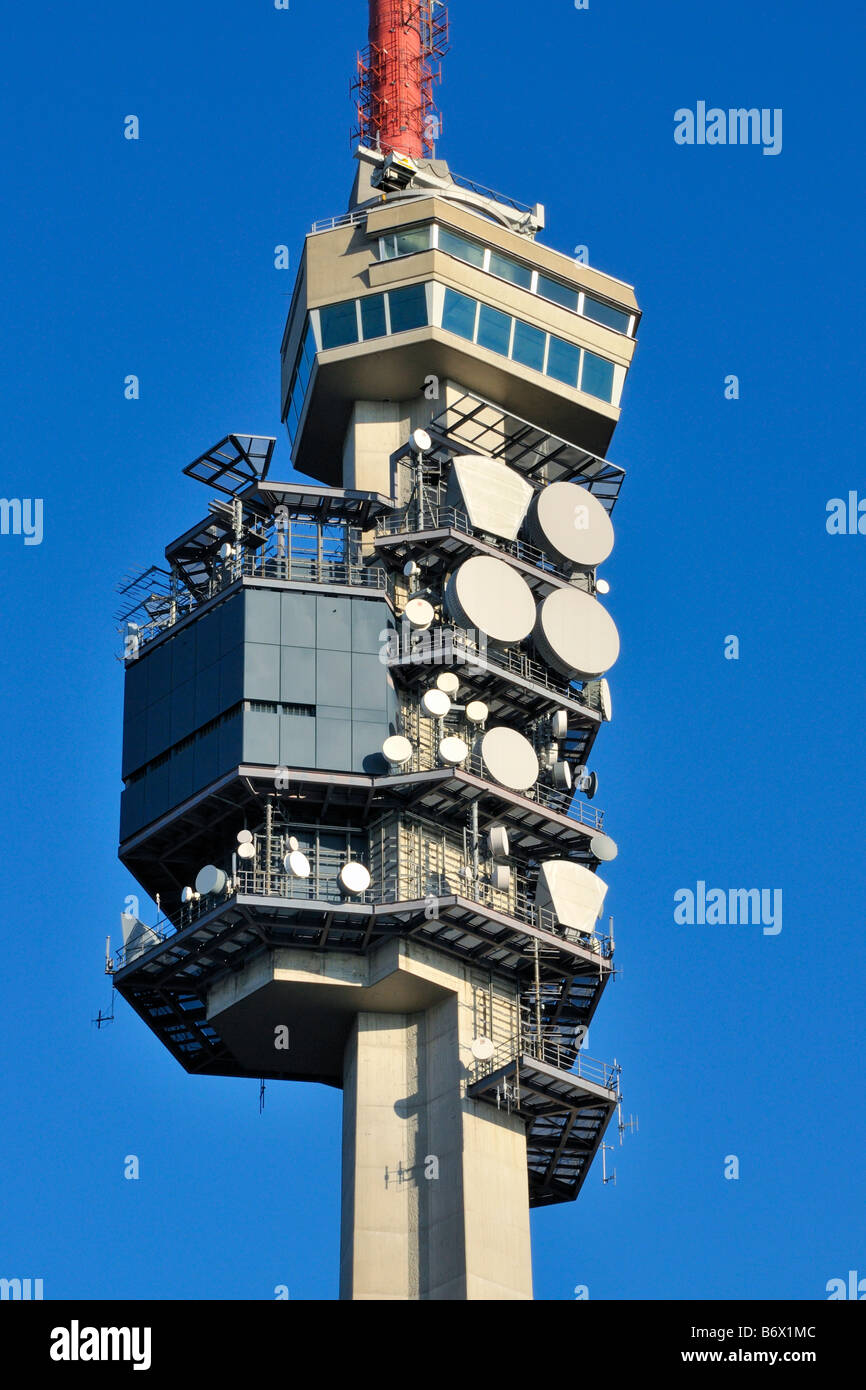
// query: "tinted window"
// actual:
[[529, 346], [604, 313], [408, 308], [339, 324], [461, 247], [459, 314], [416, 239], [494, 329], [559, 293], [563, 361], [373, 316], [511, 270], [597, 376]]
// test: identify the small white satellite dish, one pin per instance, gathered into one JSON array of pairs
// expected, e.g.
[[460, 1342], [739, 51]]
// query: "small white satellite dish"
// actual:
[[477, 712], [422, 441], [297, 864], [482, 1049], [246, 850], [188, 895], [562, 776], [397, 751], [497, 842], [589, 785], [410, 569], [453, 751], [559, 724], [603, 848], [435, 704], [419, 614], [602, 586], [500, 878], [210, 879], [245, 837], [448, 682], [293, 844], [226, 551], [354, 879]]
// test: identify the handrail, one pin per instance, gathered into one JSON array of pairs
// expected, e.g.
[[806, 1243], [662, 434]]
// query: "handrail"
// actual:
[[550, 1050], [409, 886]]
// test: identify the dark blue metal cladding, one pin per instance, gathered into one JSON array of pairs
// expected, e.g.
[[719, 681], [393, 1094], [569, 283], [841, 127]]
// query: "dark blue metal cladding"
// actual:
[[268, 677]]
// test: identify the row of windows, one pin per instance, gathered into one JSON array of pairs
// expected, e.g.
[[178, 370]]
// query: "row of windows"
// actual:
[[300, 380], [532, 347], [473, 253], [400, 311], [358, 320]]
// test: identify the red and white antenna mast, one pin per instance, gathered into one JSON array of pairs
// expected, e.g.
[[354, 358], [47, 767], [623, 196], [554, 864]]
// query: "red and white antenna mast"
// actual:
[[395, 108]]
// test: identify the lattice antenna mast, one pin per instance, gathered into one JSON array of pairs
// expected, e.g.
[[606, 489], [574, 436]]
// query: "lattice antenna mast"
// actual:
[[396, 73]]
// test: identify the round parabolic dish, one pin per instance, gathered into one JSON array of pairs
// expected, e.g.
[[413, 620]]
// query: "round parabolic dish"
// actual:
[[245, 837], [419, 613], [355, 878], [606, 700], [488, 596], [510, 759], [477, 712], [297, 864], [448, 682], [603, 847], [571, 525], [435, 704], [575, 635], [397, 750], [247, 850], [453, 751], [210, 880]]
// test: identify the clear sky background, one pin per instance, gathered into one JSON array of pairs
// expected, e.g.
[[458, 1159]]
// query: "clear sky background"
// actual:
[[157, 258]]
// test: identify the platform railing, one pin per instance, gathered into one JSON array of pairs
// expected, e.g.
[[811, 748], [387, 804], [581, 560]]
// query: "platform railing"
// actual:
[[451, 645], [550, 1050], [411, 885], [434, 517]]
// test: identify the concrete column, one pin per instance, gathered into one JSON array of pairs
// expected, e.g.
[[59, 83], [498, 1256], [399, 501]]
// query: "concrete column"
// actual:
[[434, 1185]]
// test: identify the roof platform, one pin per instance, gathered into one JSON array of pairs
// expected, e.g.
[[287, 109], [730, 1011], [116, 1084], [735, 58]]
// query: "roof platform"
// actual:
[[445, 540], [472, 424], [567, 1100], [167, 983]]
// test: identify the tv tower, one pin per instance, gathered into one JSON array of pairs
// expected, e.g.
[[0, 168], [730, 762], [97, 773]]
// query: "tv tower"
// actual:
[[362, 703]]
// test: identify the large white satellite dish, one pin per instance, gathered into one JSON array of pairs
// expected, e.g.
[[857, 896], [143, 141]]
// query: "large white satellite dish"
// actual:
[[487, 595], [571, 526], [575, 635], [509, 758]]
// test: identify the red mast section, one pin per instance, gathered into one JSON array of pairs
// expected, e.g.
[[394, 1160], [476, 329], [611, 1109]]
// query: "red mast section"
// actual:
[[395, 108]]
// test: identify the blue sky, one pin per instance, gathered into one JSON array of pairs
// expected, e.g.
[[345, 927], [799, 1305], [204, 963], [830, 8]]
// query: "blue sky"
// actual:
[[156, 258]]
